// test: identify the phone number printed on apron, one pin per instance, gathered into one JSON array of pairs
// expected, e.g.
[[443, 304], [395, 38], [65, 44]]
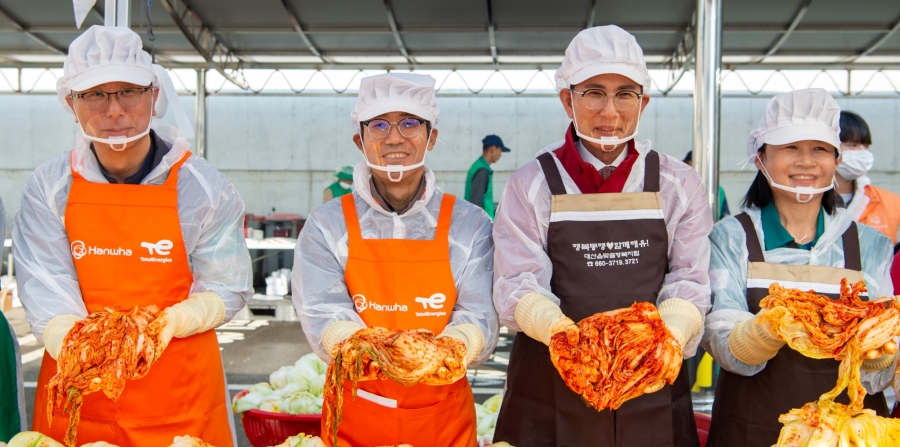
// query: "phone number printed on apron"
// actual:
[[611, 253]]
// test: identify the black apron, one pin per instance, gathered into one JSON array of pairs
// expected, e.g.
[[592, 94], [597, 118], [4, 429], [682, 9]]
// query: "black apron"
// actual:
[[746, 409], [608, 251]]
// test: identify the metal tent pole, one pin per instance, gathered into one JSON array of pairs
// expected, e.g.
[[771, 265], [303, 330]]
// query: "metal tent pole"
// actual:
[[201, 113], [117, 13], [707, 97]]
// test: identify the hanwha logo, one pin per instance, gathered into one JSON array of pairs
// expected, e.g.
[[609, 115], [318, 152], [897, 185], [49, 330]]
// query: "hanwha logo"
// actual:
[[359, 301], [78, 250]]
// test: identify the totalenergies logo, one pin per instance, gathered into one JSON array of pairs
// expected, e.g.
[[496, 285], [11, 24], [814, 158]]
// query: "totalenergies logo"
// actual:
[[78, 249]]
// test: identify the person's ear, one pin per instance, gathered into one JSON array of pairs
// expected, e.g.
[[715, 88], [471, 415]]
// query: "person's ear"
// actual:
[[155, 100], [357, 140], [434, 137], [566, 98], [72, 106]]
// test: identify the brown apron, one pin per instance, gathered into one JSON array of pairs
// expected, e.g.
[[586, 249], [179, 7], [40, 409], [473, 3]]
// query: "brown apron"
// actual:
[[608, 251], [746, 409]]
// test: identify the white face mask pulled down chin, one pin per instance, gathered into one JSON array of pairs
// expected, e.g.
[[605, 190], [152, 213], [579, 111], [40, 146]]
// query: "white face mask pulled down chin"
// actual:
[[395, 169], [119, 139], [607, 144], [800, 191]]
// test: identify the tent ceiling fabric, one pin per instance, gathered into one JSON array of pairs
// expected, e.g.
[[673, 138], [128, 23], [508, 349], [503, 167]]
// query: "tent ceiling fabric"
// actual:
[[455, 33]]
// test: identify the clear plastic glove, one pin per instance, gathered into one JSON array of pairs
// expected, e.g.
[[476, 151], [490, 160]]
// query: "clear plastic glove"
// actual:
[[540, 318], [200, 312]]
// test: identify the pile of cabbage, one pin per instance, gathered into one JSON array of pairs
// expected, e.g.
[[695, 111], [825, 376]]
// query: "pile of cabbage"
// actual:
[[295, 389], [486, 414]]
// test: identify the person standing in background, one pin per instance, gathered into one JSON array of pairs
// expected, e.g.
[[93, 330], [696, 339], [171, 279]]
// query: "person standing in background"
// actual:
[[480, 180], [12, 393], [343, 185], [875, 207]]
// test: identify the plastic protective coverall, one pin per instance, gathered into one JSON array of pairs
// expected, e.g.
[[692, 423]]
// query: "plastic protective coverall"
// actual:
[[320, 293], [522, 264], [728, 279], [209, 208]]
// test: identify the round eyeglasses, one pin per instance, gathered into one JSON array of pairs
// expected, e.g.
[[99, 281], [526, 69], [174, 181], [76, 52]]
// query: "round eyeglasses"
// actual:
[[408, 127], [596, 99], [98, 100]]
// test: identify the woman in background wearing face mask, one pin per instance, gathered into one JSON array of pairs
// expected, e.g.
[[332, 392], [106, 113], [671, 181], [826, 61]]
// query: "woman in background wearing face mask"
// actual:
[[341, 187], [789, 232], [875, 207]]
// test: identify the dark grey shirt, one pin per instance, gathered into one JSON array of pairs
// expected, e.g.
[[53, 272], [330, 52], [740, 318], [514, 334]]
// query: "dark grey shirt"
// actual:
[[158, 150], [479, 186], [387, 206]]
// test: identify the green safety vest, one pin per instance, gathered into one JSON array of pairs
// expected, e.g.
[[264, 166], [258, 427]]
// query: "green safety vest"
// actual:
[[337, 190], [489, 194], [10, 422]]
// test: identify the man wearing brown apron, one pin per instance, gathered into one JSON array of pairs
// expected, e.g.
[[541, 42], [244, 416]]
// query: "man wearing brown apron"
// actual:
[[597, 223]]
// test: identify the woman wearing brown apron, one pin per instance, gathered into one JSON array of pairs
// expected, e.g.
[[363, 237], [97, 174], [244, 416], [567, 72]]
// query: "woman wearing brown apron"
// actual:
[[597, 223], [789, 232]]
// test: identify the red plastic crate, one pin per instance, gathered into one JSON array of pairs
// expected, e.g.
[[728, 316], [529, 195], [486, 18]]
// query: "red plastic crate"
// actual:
[[265, 429], [702, 421]]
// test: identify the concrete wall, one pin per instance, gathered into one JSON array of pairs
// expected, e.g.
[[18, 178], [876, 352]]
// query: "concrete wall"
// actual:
[[280, 151]]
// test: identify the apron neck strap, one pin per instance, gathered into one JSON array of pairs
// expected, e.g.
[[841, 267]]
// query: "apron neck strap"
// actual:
[[850, 238], [172, 180], [754, 247], [348, 204], [852, 257], [651, 172], [551, 172], [442, 233]]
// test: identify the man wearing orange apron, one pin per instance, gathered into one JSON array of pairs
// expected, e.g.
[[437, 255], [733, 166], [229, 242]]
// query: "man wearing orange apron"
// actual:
[[131, 218], [398, 253]]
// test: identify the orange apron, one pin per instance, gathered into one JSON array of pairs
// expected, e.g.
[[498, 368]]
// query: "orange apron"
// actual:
[[129, 251], [404, 284]]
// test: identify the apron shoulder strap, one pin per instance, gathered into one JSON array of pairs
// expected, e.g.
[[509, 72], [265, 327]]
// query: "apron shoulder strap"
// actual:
[[442, 232], [651, 172], [172, 180], [348, 204], [852, 257], [551, 172], [754, 248]]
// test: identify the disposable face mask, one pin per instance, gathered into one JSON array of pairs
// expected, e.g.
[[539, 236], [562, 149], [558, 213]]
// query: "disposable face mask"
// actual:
[[855, 164], [612, 141], [799, 190], [118, 139], [400, 169]]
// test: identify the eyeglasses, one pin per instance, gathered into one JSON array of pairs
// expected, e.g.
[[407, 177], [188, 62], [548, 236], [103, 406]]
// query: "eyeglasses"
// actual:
[[408, 127], [596, 99], [98, 100]]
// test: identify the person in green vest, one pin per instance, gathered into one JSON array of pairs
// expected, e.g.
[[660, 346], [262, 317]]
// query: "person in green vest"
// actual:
[[12, 393], [343, 185], [723, 202], [480, 180]]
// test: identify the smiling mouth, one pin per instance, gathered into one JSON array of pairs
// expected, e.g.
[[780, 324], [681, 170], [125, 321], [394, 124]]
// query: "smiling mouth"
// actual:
[[395, 156], [804, 179]]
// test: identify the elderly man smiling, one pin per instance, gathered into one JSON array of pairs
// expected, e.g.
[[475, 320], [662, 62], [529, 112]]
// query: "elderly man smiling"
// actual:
[[597, 223], [398, 253], [130, 218]]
